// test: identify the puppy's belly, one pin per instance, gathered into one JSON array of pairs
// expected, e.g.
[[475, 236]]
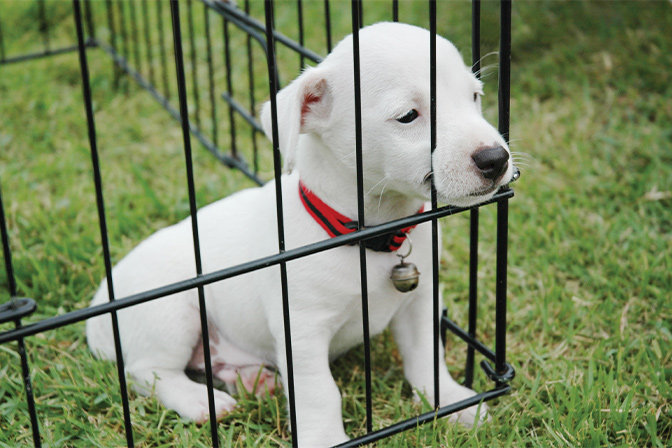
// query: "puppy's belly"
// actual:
[[225, 356], [230, 363]]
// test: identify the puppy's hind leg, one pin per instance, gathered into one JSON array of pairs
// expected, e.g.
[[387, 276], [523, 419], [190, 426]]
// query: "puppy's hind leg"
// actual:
[[158, 352], [177, 392], [258, 379]]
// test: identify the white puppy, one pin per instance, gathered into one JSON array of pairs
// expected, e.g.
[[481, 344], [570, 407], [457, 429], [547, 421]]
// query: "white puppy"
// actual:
[[162, 338]]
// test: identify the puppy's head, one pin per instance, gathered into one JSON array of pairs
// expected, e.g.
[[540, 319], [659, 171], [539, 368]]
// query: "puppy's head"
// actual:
[[471, 160]]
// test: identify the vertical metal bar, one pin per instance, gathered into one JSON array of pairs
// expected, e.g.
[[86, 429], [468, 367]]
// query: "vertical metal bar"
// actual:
[[435, 224], [473, 213], [148, 43], [2, 45], [229, 86], [111, 25], [327, 22], [299, 6], [23, 355], [9, 268], [193, 209], [28, 387], [500, 288], [134, 35], [44, 26], [504, 68], [476, 37], [473, 293], [356, 25], [194, 65], [194, 68], [88, 13], [122, 29], [395, 10], [273, 86], [162, 48], [113, 40], [253, 106], [503, 205], [361, 13], [91, 126], [211, 75]]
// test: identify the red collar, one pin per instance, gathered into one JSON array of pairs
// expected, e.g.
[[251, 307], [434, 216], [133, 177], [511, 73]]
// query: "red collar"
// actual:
[[336, 224]]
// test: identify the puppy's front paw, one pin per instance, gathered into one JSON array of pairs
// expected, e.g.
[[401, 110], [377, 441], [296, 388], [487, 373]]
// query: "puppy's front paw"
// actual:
[[321, 440], [474, 415]]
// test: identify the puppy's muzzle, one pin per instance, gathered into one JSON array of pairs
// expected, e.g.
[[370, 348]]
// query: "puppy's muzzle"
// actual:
[[491, 162]]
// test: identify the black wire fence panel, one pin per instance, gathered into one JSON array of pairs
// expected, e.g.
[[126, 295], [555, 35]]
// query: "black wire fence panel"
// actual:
[[210, 64]]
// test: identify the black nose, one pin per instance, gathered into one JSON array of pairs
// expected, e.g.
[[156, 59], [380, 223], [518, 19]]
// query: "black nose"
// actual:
[[492, 162]]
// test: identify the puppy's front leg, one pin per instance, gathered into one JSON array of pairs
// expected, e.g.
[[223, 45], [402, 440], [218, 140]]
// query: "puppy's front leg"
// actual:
[[318, 400], [413, 330]]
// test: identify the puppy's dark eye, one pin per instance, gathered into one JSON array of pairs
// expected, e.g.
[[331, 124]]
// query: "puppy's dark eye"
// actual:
[[409, 117], [475, 97]]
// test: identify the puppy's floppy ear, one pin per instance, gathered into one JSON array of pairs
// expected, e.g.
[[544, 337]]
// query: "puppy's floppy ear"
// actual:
[[303, 106]]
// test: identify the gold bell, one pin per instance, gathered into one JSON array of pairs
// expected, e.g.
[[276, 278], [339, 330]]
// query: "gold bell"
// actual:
[[405, 276]]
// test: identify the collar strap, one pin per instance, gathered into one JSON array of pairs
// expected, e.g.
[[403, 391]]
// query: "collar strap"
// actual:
[[336, 224]]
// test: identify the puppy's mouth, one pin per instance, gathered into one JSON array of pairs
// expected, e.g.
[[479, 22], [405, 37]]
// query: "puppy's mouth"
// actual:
[[427, 181], [484, 191], [515, 175]]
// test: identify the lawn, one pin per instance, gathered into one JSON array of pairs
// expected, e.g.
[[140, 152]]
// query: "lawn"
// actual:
[[590, 257]]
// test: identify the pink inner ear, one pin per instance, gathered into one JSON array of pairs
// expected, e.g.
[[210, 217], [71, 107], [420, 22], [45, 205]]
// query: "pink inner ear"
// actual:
[[308, 99]]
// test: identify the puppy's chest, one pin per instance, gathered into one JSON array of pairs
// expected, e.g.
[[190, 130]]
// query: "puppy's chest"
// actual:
[[383, 301], [381, 308]]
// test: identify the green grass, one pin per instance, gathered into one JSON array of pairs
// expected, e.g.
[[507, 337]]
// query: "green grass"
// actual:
[[590, 259]]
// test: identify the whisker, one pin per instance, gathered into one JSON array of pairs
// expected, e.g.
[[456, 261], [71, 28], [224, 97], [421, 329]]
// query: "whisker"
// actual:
[[380, 198], [379, 182], [486, 70], [441, 185], [522, 156], [348, 157], [482, 58]]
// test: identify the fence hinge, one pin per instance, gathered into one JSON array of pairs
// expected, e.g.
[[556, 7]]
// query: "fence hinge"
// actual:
[[501, 377], [16, 308]]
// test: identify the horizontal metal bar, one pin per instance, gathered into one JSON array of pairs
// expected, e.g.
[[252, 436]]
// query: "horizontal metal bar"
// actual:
[[243, 112], [466, 337], [239, 19], [44, 54], [244, 268], [229, 161], [247, 22], [425, 418]]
